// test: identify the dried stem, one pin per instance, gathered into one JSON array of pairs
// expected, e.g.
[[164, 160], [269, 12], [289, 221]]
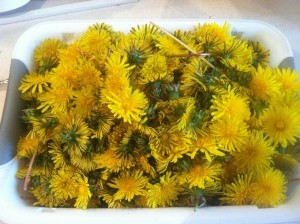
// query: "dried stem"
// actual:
[[189, 55], [27, 177], [181, 43]]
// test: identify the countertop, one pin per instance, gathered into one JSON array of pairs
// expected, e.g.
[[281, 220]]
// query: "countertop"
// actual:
[[283, 14]]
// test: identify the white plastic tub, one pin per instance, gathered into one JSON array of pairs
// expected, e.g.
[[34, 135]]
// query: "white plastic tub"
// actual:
[[7, 5], [15, 209]]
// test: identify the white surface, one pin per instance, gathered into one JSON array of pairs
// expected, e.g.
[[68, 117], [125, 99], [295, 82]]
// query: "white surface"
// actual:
[[7, 5], [14, 209]]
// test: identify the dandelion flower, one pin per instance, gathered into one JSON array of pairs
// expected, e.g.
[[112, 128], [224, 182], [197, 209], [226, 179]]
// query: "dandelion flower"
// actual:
[[129, 106], [281, 125], [164, 193], [207, 145], [155, 68], [128, 185], [74, 133], [84, 102], [289, 80], [263, 84], [200, 175], [255, 154], [269, 189], [212, 34], [95, 41], [28, 145], [82, 191], [260, 56], [63, 184], [235, 54], [48, 51], [108, 160], [231, 105], [231, 134], [45, 196], [57, 98], [34, 82], [88, 75], [238, 192]]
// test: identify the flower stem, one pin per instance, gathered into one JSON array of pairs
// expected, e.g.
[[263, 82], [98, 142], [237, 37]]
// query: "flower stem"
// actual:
[[182, 43], [27, 177]]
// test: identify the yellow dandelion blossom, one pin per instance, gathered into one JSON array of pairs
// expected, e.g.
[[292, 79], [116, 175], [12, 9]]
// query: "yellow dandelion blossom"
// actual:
[[238, 192], [269, 189], [72, 53], [101, 123], [212, 34], [83, 192], [154, 69], [129, 106], [34, 82], [168, 142], [67, 72], [58, 98], [144, 32], [260, 55], [164, 193], [200, 175], [84, 102], [88, 75], [286, 99], [85, 162], [235, 54], [128, 185], [117, 64], [74, 132], [288, 79], [231, 134], [282, 125], [263, 84], [95, 41], [135, 50], [28, 145], [43, 126], [194, 79], [231, 105], [108, 160], [255, 154], [63, 184], [45, 196], [58, 156], [207, 145], [48, 50]]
